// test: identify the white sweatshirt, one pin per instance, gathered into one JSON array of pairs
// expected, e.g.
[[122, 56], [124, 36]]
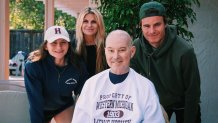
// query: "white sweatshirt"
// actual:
[[132, 101]]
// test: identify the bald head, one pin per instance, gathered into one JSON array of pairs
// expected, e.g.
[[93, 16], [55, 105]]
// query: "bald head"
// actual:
[[119, 35]]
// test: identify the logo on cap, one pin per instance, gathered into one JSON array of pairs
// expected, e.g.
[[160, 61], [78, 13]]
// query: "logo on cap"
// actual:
[[57, 31]]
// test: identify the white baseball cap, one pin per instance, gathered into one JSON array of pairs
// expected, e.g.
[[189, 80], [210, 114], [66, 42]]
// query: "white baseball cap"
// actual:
[[56, 32]]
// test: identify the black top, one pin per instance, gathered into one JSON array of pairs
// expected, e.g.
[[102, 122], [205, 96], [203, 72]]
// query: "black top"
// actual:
[[91, 59]]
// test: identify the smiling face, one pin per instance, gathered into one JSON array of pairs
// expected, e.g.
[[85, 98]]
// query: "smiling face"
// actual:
[[153, 29], [58, 49], [119, 51], [89, 25]]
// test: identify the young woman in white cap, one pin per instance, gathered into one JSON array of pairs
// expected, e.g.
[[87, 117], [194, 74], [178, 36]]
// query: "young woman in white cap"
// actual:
[[50, 80]]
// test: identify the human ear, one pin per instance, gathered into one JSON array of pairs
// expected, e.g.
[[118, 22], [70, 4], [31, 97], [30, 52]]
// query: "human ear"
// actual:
[[133, 50]]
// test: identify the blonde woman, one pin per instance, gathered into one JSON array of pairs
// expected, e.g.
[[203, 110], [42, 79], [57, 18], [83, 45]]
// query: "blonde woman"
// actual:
[[90, 36]]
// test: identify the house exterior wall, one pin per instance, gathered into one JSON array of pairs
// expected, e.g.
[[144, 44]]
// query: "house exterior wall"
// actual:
[[205, 42], [206, 45]]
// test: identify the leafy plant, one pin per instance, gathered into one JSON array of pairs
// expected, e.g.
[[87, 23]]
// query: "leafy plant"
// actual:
[[29, 14], [123, 14]]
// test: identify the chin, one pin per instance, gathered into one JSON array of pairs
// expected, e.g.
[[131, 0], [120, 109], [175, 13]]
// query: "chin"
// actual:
[[59, 57]]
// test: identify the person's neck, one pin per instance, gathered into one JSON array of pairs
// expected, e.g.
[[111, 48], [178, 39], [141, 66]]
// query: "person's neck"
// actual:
[[89, 40], [119, 71], [156, 45], [60, 62]]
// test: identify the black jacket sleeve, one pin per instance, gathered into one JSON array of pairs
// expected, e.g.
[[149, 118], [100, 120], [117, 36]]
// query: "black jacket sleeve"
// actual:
[[192, 86], [34, 91], [83, 78]]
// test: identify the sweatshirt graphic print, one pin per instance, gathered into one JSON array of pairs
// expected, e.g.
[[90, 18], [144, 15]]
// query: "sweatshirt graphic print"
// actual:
[[132, 101]]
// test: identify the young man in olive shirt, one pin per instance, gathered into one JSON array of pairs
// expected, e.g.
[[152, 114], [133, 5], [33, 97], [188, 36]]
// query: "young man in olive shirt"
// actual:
[[169, 62]]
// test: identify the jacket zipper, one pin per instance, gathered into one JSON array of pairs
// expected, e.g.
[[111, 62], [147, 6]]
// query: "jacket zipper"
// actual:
[[59, 74], [149, 64]]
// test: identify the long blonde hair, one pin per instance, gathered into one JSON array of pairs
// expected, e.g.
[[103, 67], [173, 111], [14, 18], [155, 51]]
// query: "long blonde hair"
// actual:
[[99, 39]]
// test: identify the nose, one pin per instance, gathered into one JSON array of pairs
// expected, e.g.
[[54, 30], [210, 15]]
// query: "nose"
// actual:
[[116, 55], [152, 30], [89, 24], [59, 46]]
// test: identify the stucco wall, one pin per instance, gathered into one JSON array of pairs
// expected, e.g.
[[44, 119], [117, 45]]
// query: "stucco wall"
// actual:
[[205, 31], [206, 45]]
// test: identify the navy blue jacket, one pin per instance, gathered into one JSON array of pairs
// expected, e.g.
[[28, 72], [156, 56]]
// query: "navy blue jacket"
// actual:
[[49, 88]]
